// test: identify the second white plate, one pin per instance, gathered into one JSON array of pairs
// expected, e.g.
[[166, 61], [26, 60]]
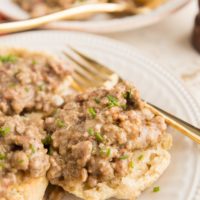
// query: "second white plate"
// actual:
[[102, 24]]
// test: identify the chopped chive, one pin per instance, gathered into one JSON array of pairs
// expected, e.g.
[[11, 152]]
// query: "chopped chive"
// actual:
[[113, 101], [91, 131], [92, 112], [4, 131], [20, 161], [105, 152], [108, 152], [41, 87], [34, 62], [2, 166], [124, 157], [32, 148], [26, 89], [12, 84], [124, 106], [127, 95], [131, 164], [99, 137], [156, 189], [47, 140], [2, 156], [130, 102], [102, 152], [50, 150], [97, 100], [8, 59], [60, 123], [140, 157]]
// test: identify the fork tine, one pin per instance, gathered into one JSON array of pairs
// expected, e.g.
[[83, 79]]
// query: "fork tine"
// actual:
[[84, 77], [88, 73], [90, 64], [81, 80], [85, 83], [76, 86], [92, 61], [80, 68]]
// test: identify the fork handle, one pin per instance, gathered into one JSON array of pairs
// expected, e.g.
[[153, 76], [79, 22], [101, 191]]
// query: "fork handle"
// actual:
[[65, 14], [178, 124]]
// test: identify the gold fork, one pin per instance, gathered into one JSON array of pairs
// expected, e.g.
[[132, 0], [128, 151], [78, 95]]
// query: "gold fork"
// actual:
[[89, 73]]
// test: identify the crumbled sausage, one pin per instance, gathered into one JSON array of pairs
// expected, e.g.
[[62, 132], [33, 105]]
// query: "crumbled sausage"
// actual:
[[22, 153], [82, 152], [29, 81], [95, 132], [20, 160]]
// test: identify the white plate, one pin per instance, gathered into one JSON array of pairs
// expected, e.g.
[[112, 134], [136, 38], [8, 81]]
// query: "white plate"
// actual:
[[181, 179], [102, 24]]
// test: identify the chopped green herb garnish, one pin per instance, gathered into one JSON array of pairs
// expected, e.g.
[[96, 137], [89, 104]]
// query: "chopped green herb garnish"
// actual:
[[105, 152], [26, 89], [127, 95], [4, 131], [20, 161], [2, 156], [97, 100], [60, 123], [50, 150], [131, 164], [108, 152], [156, 189], [99, 137], [92, 112], [123, 157], [2, 166], [41, 87], [8, 58], [140, 157], [91, 131], [47, 140], [34, 62], [32, 148], [102, 152], [12, 84], [130, 102], [113, 101], [124, 106]]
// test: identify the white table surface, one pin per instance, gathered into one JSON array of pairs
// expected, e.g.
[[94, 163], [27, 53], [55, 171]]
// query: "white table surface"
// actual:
[[168, 44]]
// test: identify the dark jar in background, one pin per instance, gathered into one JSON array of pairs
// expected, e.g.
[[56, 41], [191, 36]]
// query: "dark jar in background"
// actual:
[[196, 31]]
